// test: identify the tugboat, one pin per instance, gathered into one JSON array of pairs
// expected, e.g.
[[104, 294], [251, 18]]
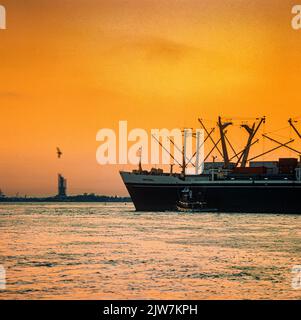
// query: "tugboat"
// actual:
[[188, 204]]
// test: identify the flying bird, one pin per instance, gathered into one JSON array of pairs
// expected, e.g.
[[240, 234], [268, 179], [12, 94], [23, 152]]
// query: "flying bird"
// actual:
[[59, 152]]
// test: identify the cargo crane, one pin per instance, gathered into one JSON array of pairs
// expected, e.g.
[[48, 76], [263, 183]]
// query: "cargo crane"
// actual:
[[222, 126], [215, 144], [291, 123], [185, 160], [223, 139], [252, 133]]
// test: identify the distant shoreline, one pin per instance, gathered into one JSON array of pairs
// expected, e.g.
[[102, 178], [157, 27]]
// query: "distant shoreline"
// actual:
[[77, 198]]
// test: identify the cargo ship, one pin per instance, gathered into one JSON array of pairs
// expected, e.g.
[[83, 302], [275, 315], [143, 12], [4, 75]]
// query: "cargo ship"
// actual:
[[241, 186]]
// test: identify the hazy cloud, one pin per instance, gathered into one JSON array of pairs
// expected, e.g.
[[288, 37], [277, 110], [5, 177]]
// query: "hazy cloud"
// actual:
[[163, 48], [153, 48], [10, 94]]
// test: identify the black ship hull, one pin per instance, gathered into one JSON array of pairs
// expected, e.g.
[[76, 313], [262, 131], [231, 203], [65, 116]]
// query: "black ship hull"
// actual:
[[238, 198]]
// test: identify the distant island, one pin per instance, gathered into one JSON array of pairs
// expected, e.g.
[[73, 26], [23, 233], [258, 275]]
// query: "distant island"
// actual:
[[76, 198]]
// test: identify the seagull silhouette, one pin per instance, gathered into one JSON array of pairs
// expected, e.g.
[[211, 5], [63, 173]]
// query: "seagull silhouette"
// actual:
[[59, 152]]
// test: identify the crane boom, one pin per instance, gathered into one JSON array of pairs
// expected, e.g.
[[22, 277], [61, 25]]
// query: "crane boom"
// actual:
[[222, 127], [291, 123], [252, 133]]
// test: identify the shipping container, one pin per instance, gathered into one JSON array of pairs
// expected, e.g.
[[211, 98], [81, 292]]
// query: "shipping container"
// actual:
[[267, 164], [285, 162], [272, 166], [250, 170]]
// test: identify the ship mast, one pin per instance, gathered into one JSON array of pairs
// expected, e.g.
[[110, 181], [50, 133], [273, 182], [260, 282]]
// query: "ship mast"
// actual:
[[291, 122], [162, 146], [252, 132], [222, 127], [197, 153], [184, 164], [183, 156], [140, 161]]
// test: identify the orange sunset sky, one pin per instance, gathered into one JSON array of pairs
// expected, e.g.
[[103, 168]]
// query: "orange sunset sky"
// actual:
[[69, 68]]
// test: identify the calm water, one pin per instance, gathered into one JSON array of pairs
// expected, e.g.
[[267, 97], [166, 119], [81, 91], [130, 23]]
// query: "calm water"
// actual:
[[98, 251]]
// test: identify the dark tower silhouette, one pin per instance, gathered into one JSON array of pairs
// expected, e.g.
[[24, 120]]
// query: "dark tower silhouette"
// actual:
[[2, 195], [62, 186]]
